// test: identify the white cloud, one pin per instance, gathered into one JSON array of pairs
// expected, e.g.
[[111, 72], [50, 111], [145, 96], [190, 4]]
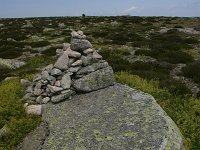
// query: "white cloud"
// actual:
[[130, 9]]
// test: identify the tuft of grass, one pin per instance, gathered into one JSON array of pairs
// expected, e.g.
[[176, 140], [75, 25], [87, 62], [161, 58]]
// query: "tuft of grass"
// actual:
[[12, 114], [184, 110]]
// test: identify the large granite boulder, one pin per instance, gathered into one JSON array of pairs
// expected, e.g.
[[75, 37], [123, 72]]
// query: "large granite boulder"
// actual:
[[114, 118]]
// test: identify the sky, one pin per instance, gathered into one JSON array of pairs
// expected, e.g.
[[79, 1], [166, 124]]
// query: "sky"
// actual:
[[43, 8]]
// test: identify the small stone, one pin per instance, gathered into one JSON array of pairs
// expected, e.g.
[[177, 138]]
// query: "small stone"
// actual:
[[96, 55], [66, 81], [58, 83], [37, 91], [77, 63], [56, 72], [73, 54], [80, 44], [25, 82], [29, 89], [66, 46], [44, 82], [25, 105], [87, 51], [45, 100], [61, 97], [10, 78], [71, 61], [29, 96], [52, 80], [44, 75], [54, 89], [48, 68], [74, 69], [38, 85], [88, 60], [34, 110], [62, 62], [39, 99], [59, 52]]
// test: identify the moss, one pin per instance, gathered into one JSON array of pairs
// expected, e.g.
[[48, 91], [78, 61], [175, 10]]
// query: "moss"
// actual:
[[13, 115]]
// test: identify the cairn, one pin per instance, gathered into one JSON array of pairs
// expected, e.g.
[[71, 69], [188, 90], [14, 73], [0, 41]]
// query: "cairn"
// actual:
[[78, 69]]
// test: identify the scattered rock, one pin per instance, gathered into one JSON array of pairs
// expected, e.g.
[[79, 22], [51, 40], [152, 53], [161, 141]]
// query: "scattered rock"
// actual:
[[11, 63], [34, 110], [10, 78]]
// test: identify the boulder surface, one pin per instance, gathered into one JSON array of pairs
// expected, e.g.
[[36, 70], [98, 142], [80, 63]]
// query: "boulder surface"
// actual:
[[114, 118]]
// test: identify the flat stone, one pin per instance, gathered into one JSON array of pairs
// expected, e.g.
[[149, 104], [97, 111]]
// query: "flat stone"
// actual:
[[59, 52], [37, 91], [88, 51], [54, 89], [92, 68], [80, 44], [62, 62], [74, 69], [77, 63], [29, 96], [25, 82], [66, 81], [96, 55], [58, 83], [73, 54], [61, 97], [37, 78], [56, 72], [115, 118], [96, 80], [34, 110]]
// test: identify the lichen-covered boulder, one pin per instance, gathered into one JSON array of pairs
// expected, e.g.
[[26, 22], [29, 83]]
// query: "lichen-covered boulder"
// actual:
[[95, 80], [80, 44], [114, 118]]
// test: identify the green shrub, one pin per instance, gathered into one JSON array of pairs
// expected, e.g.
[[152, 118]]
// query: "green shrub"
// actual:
[[192, 71], [13, 115], [39, 44], [184, 110]]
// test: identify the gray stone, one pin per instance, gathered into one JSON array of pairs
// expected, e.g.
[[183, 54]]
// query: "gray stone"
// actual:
[[73, 54], [71, 61], [48, 68], [52, 80], [59, 52], [88, 51], [66, 46], [74, 69], [11, 63], [44, 75], [61, 97], [96, 55], [29, 89], [10, 78], [37, 91], [25, 82], [56, 72], [66, 81], [29, 96], [88, 60], [62, 62], [96, 80], [45, 100], [34, 110], [80, 44], [114, 118], [58, 83], [54, 89], [92, 68], [78, 35], [37, 78], [77, 63], [39, 99]]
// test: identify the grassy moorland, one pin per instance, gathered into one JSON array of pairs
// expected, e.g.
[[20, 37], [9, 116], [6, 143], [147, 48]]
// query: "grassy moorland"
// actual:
[[142, 51]]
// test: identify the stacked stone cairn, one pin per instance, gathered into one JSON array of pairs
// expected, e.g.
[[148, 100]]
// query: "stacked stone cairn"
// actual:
[[78, 69]]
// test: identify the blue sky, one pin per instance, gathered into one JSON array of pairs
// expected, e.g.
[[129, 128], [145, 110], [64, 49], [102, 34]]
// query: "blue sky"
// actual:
[[40, 8]]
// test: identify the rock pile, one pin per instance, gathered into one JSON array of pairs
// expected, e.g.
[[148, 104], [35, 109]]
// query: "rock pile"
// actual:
[[79, 68]]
